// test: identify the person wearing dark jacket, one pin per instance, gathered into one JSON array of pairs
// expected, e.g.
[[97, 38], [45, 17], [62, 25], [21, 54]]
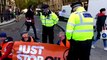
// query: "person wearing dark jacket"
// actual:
[[30, 20], [101, 17]]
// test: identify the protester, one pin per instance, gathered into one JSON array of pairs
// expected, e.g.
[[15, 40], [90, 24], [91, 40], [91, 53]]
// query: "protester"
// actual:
[[63, 41], [79, 32], [6, 47], [101, 17], [27, 38]]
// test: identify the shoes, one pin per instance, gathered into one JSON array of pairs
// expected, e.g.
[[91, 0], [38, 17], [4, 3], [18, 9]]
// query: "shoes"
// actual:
[[92, 46], [105, 48]]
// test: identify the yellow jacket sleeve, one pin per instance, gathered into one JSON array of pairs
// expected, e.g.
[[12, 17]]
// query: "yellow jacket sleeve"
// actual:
[[70, 26], [55, 18]]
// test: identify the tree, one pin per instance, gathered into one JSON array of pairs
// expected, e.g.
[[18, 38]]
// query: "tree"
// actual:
[[22, 4]]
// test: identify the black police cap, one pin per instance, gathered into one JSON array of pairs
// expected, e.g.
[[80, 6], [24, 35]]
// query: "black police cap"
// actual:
[[44, 6], [75, 4]]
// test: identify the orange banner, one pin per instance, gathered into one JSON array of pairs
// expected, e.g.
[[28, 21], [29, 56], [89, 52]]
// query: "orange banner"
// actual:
[[38, 51]]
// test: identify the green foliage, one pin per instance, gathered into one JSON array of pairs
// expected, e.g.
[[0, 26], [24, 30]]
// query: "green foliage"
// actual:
[[22, 4]]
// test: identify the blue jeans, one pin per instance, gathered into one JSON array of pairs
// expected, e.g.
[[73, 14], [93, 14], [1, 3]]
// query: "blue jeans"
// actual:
[[104, 42]]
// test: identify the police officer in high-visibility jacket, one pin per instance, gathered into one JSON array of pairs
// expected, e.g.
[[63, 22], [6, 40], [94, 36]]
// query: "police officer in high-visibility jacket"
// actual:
[[79, 32], [48, 19]]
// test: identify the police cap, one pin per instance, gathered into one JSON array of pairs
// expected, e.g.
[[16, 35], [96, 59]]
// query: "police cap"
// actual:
[[44, 6], [75, 4]]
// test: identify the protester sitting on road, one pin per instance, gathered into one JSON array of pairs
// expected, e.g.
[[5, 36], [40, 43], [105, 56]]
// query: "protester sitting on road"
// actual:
[[27, 38], [63, 41], [6, 47]]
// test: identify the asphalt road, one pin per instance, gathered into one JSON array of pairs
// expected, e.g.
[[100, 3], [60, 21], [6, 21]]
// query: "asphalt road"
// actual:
[[14, 29]]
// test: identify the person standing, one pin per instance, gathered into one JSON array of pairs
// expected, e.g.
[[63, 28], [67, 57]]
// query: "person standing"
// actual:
[[6, 47], [30, 20], [101, 17], [78, 34], [48, 19], [17, 13]]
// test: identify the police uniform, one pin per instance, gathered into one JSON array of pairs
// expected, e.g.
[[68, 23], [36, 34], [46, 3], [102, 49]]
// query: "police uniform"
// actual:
[[79, 32], [48, 21]]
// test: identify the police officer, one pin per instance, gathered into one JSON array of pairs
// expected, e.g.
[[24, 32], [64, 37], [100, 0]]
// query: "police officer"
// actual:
[[48, 19], [79, 32]]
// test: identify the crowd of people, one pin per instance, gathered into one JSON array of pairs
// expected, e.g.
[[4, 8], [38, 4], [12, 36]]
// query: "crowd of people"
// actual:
[[9, 13], [78, 38]]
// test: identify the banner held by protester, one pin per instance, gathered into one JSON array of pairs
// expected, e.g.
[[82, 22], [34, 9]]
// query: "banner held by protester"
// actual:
[[38, 51]]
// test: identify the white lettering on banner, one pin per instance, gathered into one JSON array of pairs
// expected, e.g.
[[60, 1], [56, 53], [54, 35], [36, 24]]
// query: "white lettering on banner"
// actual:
[[27, 57], [27, 52], [30, 49]]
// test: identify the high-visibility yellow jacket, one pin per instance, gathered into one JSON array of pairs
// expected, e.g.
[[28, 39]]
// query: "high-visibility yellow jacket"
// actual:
[[80, 25], [50, 20]]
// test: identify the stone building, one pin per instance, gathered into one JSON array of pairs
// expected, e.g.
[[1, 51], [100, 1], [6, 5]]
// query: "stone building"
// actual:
[[55, 5]]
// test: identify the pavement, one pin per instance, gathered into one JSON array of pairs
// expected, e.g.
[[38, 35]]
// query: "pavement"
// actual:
[[10, 21], [7, 22], [96, 54]]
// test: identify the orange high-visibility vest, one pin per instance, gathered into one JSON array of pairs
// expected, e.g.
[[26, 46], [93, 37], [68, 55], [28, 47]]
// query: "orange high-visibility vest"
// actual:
[[4, 46], [31, 39], [67, 44]]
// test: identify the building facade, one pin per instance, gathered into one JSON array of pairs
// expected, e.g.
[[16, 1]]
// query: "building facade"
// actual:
[[55, 5]]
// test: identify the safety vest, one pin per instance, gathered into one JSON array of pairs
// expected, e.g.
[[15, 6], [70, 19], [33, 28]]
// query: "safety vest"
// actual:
[[80, 25], [4, 46], [31, 39], [49, 21], [67, 44]]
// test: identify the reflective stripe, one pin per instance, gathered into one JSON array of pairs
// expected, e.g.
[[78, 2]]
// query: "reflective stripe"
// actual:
[[47, 23], [83, 31], [84, 24], [71, 24], [81, 20], [69, 31]]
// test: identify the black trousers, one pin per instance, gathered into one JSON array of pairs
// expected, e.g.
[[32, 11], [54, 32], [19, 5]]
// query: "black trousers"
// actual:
[[28, 24], [79, 50], [98, 34], [47, 32]]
